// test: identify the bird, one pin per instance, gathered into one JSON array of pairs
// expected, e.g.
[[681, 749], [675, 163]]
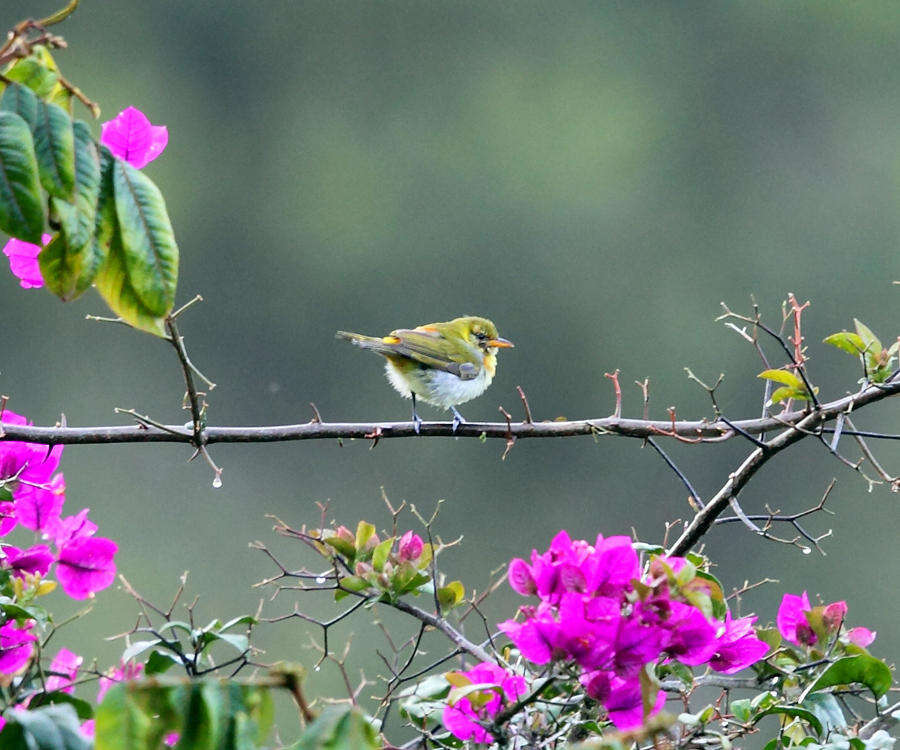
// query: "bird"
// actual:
[[442, 364]]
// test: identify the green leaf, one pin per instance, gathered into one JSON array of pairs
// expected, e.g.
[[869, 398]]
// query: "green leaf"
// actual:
[[847, 342], [148, 242], [784, 377], [339, 728], [451, 594], [209, 715], [381, 552], [53, 727], [54, 146], [22, 101], [21, 203], [122, 721], [112, 280], [83, 709], [871, 342], [794, 712], [741, 710], [862, 668], [68, 271], [826, 710], [138, 647], [364, 531], [159, 662], [786, 392], [38, 71]]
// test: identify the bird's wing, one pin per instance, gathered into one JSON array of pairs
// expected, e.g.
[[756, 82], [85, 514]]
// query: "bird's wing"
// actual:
[[419, 345]]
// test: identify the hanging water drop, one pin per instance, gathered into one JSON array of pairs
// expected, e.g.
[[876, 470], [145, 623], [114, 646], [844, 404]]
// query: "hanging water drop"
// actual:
[[217, 482], [320, 580]]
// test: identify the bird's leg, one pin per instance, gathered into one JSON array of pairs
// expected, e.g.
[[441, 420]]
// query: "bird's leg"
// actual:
[[417, 420], [458, 418]]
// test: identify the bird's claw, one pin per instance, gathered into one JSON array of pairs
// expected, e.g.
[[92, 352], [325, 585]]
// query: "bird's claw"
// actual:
[[457, 419], [417, 423]]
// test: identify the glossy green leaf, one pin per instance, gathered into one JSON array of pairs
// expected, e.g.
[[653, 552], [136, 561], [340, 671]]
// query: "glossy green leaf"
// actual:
[[21, 100], [21, 203], [827, 710], [112, 280], [159, 662], [784, 377], [863, 669], [68, 272], [55, 727], [54, 147], [846, 341], [339, 728], [73, 259], [148, 242]]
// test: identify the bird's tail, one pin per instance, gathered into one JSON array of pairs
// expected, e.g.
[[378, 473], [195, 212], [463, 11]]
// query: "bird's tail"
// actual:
[[373, 343]]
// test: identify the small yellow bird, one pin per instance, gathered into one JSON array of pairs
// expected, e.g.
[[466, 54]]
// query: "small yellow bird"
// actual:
[[444, 364]]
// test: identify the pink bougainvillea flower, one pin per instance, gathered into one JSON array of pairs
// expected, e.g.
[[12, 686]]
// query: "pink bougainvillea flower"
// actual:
[[71, 527], [737, 646], [171, 739], [692, 638], [85, 565], [410, 546], [124, 672], [621, 697], [7, 518], [16, 646], [792, 622], [23, 261], [64, 670], [31, 462], [38, 508], [860, 636], [132, 138], [462, 717], [833, 615], [36, 559]]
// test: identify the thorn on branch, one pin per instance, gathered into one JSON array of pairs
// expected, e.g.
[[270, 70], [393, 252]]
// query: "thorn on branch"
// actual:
[[525, 406], [644, 385], [510, 438], [672, 432], [374, 436], [614, 376], [317, 418]]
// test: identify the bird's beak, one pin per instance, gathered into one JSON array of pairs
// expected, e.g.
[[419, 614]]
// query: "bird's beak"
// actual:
[[501, 343]]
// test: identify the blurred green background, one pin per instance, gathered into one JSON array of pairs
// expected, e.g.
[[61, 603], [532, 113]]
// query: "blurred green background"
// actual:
[[594, 177]]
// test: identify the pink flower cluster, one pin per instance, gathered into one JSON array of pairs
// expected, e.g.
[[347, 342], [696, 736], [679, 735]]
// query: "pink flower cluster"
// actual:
[[600, 611], [798, 622], [130, 137], [84, 562], [467, 714]]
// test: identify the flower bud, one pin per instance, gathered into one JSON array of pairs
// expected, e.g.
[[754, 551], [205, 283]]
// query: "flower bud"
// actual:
[[833, 615], [410, 546]]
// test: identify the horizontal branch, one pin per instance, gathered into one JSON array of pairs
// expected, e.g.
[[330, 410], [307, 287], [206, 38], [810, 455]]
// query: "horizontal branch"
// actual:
[[316, 430]]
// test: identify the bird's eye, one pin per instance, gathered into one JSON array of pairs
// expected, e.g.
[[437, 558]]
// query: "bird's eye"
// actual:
[[480, 335]]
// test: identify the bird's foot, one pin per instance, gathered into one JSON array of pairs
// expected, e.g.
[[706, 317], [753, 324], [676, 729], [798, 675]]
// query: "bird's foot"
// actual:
[[417, 420], [458, 419]]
